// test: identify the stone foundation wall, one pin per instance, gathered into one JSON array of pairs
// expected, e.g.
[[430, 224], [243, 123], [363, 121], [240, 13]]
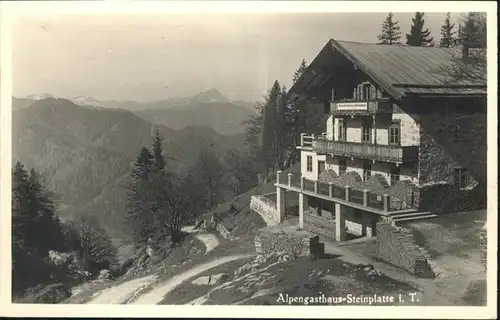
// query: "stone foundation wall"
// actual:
[[397, 247], [319, 225], [450, 138], [269, 241], [445, 198]]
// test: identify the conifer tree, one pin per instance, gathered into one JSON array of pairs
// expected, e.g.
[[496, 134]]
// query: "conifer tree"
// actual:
[[390, 33], [21, 219], [157, 150], [143, 164], [138, 197], [48, 234], [271, 127], [447, 32], [473, 27], [418, 36], [299, 71]]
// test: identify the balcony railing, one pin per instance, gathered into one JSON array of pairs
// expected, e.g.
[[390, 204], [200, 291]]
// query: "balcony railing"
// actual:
[[361, 107], [345, 194], [306, 140], [386, 153]]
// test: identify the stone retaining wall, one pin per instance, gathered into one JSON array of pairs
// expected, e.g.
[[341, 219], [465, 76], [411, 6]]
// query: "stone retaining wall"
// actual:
[[269, 241], [265, 207], [319, 225], [397, 246], [226, 234]]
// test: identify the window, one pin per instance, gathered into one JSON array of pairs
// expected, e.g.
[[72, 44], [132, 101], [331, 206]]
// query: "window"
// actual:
[[309, 163], [342, 166], [366, 130], [367, 171], [460, 178], [342, 129], [321, 167], [395, 133], [394, 176]]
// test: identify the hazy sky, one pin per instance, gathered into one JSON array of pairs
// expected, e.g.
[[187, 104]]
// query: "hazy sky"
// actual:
[[136, 57]]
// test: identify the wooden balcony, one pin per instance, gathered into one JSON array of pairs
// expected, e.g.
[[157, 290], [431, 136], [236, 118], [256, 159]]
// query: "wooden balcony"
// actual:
[[377, 152], [364, 200], [361, 107], [306, 141]]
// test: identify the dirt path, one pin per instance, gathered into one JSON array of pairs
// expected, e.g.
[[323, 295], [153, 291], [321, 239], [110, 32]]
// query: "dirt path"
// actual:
[[120, 293], [156, 295], [209, 240], [433, 293]]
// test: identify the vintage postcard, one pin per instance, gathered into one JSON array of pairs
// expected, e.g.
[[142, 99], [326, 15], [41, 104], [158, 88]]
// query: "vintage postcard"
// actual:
[[321, 159]]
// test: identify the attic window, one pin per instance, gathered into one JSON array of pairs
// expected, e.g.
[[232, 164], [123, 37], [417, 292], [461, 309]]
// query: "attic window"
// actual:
[[366, 91]]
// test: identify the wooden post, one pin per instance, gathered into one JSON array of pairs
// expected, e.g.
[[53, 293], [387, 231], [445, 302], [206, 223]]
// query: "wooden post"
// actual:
[[374, 130], [386, 202], [302, 183], [278, 176], [290, 175], [316, 186], [347, 193], [302, 139], [330, 189], [339, 222], [303, 207], [365, 198]]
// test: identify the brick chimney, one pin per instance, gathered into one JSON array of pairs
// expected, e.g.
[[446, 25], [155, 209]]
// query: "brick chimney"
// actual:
[[466, 49]]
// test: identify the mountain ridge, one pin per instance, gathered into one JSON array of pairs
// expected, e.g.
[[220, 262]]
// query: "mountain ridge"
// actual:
[[85, 153]]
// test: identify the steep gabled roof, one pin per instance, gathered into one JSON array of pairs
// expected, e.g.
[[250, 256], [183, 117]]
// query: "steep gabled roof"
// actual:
[[399, 69]]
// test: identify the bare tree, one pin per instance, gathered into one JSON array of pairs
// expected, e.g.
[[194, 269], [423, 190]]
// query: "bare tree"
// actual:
[[243, 170], [471, 69], [210, 173], [96, 250]]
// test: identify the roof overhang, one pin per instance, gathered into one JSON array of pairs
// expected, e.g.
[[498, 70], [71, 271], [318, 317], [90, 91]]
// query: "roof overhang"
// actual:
[[327, 62]]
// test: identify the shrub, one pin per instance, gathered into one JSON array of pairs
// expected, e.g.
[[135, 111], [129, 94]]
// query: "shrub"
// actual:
[[52, 293]]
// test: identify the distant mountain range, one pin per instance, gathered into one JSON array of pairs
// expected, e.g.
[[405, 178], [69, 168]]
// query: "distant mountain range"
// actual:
[[208, 108], [85, 152]]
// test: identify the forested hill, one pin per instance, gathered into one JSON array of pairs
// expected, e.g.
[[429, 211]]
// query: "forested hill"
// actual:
[[84, 153]]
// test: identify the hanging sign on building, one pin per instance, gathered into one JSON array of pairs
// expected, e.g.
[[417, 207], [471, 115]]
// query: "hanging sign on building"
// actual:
[[354, 228], [352, 106]]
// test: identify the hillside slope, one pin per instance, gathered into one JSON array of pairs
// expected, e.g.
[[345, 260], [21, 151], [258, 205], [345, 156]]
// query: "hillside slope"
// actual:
[[84, 153]]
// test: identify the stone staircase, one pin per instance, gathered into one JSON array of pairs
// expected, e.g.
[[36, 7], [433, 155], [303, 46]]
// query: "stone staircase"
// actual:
[[411, 216]]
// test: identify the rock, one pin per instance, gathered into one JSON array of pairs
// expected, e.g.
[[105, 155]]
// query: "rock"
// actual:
[[104, 274], [368, 268], [205, 280], [243, 269], [211, 280], [372, 274], [198, 224], [61, 258], [218, 278]]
